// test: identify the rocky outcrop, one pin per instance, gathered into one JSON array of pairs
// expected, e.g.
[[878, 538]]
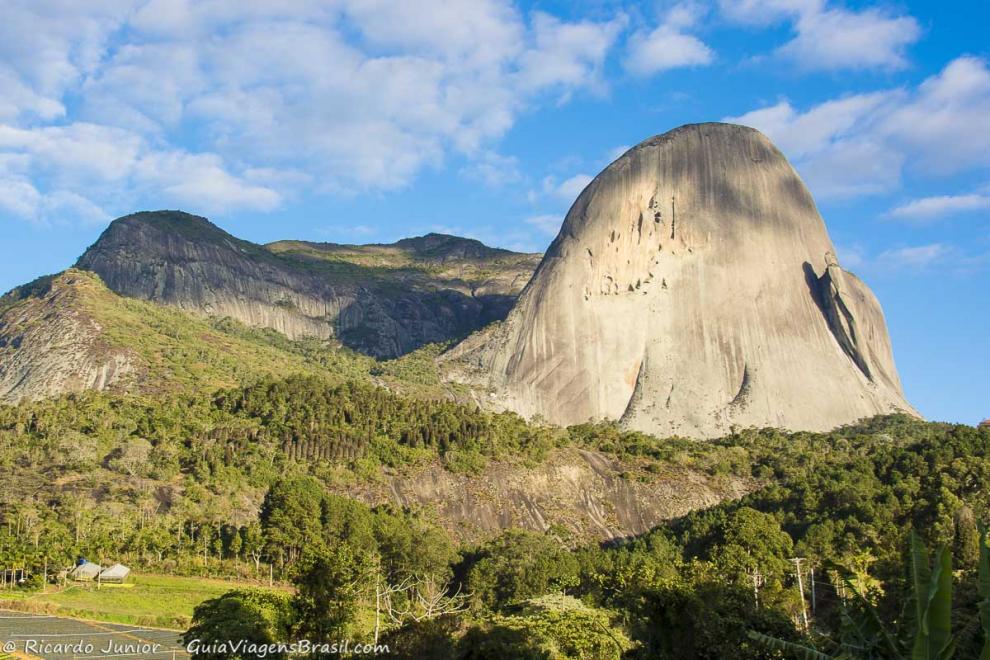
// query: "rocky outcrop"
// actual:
[[69, 333], [692, 288], [50, 345], [592, 495], [856, 321], [384, 300]]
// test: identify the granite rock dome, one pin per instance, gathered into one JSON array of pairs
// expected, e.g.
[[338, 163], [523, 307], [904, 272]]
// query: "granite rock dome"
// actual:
[[693, 287]]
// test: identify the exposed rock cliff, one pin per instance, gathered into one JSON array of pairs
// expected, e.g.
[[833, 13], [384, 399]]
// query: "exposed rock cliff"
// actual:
[[691, 288], [50, 344], [69, 332], [385, 300], [588, 493]]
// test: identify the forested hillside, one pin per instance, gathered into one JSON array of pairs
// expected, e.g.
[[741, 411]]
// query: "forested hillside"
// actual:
[[257, 475], [219, 450]]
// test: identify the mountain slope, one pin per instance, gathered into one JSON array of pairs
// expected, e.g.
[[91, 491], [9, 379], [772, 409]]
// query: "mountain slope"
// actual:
[[692, 288], [69, 333], [50, 344], [383, 300]]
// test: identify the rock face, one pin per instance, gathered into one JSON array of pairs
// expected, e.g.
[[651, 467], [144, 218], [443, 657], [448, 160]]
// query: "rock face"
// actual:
[[592, 495], [384, 300], [691, 288], [50, 345]]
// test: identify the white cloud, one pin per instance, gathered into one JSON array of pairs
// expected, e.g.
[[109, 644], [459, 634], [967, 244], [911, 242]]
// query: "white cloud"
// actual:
[[569, 189], [559, 193], [852, 257], [945, 122], [841, 39], [77, 153], [144, 86], [235, 105], [60, 170], [767, 12], [546, 224], [668, 46], [800, 134], [493, 169], [931, 208], [922, 256], [293, 87], [859, 144], [853, 167], [833, 144], [567, 54], [19, 197], [897, 261], [48, 46], [18, 98], [65, 207], [200, 181], [832, 38], [479, 32]]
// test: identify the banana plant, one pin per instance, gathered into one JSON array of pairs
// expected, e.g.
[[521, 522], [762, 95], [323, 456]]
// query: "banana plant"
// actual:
[[866, 637], [933, 603]]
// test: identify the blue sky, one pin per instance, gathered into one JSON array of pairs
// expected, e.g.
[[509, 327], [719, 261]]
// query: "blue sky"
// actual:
[[368, 121]]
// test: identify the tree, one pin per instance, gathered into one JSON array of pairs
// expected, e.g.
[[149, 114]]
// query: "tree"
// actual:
[[252, 615], [415, 599], [425, 640], [519, 565], [753, 541], [553, 627], [412, 546], [701, 617], [234, 544], [291, 517], [132, 457], [348, 521], [253, 543], [328, 584]]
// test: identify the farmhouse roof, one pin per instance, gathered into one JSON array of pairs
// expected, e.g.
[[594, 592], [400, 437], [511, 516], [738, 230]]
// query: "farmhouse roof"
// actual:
[[117, 571]]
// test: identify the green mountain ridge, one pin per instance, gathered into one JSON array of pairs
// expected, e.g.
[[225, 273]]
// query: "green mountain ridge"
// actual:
[[382, 300]]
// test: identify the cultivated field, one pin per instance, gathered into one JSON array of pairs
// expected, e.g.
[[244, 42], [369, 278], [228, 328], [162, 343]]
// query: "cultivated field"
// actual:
[[148, 600], [56, 638]]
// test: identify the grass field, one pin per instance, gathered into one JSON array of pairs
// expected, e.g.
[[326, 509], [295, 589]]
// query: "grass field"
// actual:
[[153, 600]]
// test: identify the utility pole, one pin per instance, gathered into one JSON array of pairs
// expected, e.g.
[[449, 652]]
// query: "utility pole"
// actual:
[[378, 602], [757, 578], [804, 610], [813, 601]]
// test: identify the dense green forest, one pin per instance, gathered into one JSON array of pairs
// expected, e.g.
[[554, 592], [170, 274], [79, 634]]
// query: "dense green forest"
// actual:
[[246, 479]]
